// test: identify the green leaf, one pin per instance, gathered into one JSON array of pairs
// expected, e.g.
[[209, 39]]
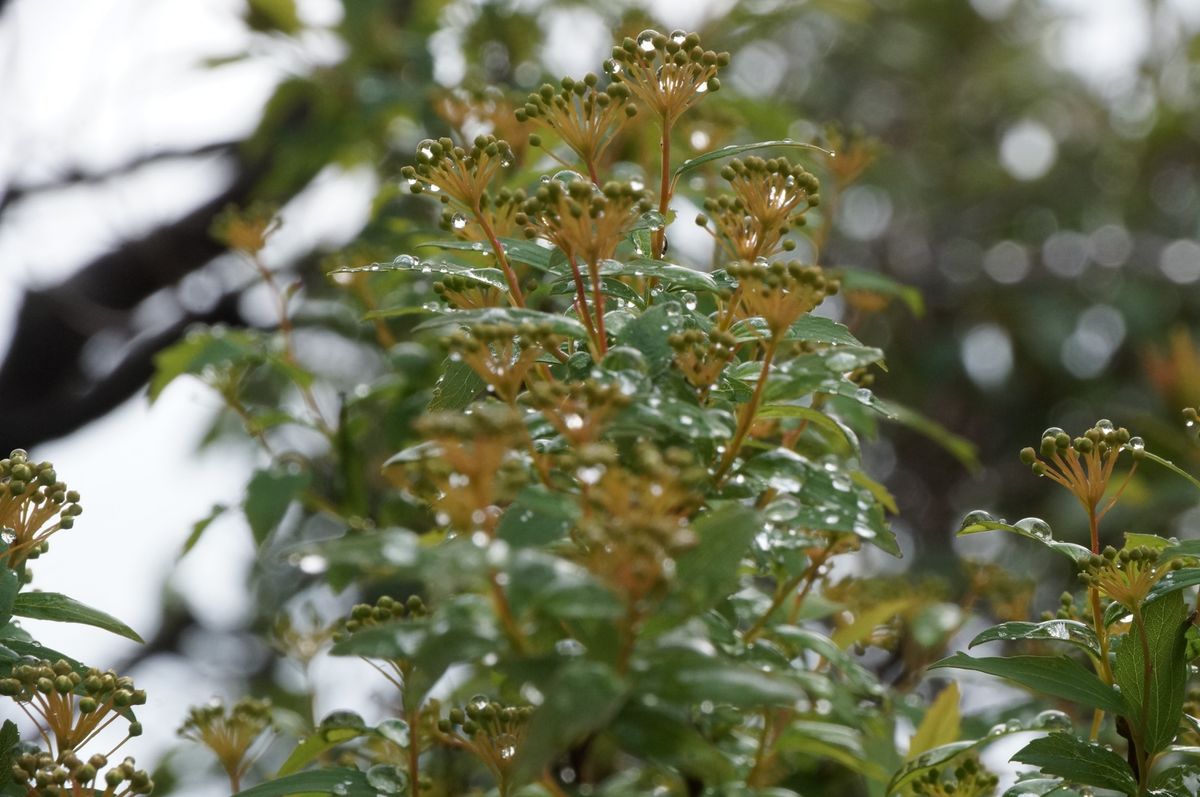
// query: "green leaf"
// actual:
[[1053, 675], [515, 249], [648, 334], [268, 496], [61, 609], [819, 329], [581, 698], [199, 527], [1041, 787], [491, 277], [1171, 466], [456, 388], [667, 739], [940, 725], [855, 279], [1031, 528], [1070, 631], [558, 589], [324, 738], [1173, 582], [870, 618], [538, 517], [959, 447], [737, 149], [1079, 761], [684, 678], [708, 571], [688, 279], [10, 582], [341, 781], [1182, 779], [843, 437], [1157, 701], [557, 322], [828, 741], [198, 350], [8, 740]]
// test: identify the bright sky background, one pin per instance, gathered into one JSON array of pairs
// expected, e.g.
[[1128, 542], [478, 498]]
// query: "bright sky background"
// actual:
[[93, 84]]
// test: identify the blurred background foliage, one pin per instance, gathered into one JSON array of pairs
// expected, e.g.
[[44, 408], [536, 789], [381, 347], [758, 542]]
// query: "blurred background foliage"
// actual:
[[1048, 222]]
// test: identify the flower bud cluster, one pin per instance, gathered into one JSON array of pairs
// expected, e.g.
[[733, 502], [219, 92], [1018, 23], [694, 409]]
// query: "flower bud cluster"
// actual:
[[471, 467], [74, 706], [779, 293], [769, 198], [702, 356], [580, 411], [457, 173], [34, 504], [1128, 575], [635, 519], [668, 74], [383, 611], [70, 776], [1084, 465], [584, 116], [229, 733], [584, 221], [465, 293], [1068, 609], [246, 229], [503, 354], [968, 779], [491, 731], [499, 210]]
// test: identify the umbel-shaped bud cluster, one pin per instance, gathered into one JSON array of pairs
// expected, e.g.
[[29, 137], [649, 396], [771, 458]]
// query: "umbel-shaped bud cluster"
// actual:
[[489, 730], [1128, 575], [457, 173], [667, 73], [580, 411], [499, 209], [34, 505], [467, 293], [470, 467], [383, 611], [1084, 465], [779, 292], [503, 354], [71, 776], [769, 198], [229, 732], [702, 356], [636, 518], [584, 116], [968, 779], [584, 221], [74, 706]]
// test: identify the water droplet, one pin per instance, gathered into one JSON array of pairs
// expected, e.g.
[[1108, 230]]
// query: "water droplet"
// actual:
[[1035, 526], [636, 184], [1136, 444], [342, 719], [458, 221], [1104, 425], [645, 40], [689, 301], [312, 564], [573, 422], [590, 474], [387, 779], [1053, 431], [569, 647]]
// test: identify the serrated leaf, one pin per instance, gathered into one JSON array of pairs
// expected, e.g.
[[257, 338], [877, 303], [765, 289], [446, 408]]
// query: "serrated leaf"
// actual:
[[1070, 631], [1052, 675], [737, 149], [341, 781], [268, 496], [61, 609], [940, 725], [1156, 702], [1079, 761]]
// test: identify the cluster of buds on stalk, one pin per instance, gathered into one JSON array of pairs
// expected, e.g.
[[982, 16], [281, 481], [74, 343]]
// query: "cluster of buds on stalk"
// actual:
[[586, 222], [779, 293], [769, 198], [455, 173], [1084, 465], [490, 731], [385, 610], [70, 776], [498, 209], [583, 116], [503, 354], [469, 466], [71, 708], [465, 292], [246, 229], [1128, 575], [667, 73], [968, 779], [230, 733], [34, 505], [702, 356], [635, 520], [580, 411]]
